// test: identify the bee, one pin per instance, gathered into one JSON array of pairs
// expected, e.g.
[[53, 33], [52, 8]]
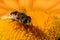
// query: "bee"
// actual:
[[21, 17], [58, 38]]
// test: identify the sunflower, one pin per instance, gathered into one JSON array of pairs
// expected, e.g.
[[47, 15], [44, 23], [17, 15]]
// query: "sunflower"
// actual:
[[45, 20]]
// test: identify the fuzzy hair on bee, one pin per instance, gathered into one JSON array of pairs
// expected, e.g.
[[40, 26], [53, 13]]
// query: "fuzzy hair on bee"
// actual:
[[21, 17]]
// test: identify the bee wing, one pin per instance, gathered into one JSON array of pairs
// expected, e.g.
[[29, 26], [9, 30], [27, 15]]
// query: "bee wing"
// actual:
[[8, 17], [5, 17]]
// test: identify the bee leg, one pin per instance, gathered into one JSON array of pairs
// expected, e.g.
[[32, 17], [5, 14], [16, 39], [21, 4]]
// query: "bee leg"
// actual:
[[13, 19]]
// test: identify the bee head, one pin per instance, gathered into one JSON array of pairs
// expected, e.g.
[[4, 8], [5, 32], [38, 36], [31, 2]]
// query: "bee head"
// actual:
[[14, 13]]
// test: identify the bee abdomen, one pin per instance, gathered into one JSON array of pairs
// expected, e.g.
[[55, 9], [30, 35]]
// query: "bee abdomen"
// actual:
[[24, 18]]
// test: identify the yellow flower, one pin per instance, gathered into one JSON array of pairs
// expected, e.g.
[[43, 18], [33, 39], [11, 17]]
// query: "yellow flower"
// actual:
[[45, 23]]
